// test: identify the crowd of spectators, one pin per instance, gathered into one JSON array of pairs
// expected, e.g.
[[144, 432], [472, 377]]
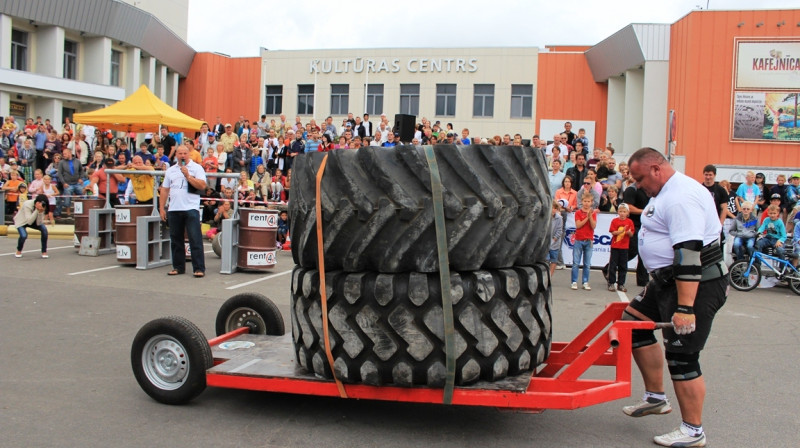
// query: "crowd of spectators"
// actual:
[[68, 160]]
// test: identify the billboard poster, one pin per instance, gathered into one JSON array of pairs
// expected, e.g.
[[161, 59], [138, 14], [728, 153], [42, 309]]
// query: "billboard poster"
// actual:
[[768, 65], [766, 90], [766, 116]]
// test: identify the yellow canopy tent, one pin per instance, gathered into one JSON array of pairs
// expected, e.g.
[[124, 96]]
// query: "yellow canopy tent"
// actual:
[[140, 112]]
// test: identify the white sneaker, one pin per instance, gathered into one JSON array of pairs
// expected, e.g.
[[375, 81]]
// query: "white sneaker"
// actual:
[[574, 285], [561, 267], [680, 438], [645, 407], [587, 287]]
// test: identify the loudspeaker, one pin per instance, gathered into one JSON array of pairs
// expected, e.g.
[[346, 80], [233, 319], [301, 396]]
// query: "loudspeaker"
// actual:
[[404, 125]]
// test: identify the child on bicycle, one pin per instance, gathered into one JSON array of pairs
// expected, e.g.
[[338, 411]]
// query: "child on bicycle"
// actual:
[[743, 231], [774, 232]]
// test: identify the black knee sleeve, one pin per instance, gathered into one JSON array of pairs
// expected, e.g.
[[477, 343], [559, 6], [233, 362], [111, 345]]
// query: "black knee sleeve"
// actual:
[[639, 338], [683, 366]]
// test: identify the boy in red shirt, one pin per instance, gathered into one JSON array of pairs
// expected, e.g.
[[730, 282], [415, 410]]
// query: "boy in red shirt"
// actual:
[[585, 222], [621, 229]]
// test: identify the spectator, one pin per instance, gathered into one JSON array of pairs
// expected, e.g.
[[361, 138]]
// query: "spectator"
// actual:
[[556, 235], [774, 232], [11, 187], [748, 191], [774, 200], [260, 181], [578, 172], [744, 232], [622, 229], [143, 184], [70, 173], [277, 185], [211, 165], [556, 176], [585, 222], [283, 226], [51, 191], [31, 214]]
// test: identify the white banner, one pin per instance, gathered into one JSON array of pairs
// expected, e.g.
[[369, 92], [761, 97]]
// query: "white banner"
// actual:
[[267, 220], [773, 64], [123, 215], [601, 248]]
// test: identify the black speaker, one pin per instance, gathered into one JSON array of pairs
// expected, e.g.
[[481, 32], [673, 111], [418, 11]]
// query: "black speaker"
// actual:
[[404, 125]]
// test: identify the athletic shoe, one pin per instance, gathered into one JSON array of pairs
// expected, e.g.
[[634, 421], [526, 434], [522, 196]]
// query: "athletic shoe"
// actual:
[[19, 255], [622, 288], [574, 285], [45, 256], [611, 288], [587, 287], [561, 267], [679, 438], [648, 408]]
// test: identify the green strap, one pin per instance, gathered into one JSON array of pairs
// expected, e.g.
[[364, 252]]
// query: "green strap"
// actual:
[[444, 274]]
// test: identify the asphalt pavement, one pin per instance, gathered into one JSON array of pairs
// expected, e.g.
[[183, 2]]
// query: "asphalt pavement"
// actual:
[[67, 323]]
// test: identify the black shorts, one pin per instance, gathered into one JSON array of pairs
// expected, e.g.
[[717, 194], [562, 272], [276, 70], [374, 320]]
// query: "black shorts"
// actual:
[[659, 303]]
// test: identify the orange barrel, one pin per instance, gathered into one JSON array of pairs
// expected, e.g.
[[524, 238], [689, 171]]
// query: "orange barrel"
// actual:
[[257, 231], [81, 207], [125, 226]]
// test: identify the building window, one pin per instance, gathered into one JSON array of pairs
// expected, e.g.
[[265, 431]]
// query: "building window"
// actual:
[[374, 99], [409, 99], [19, 50], [70, 59], [274, 100], [446, 100], [521, 100], [483, 101], [305, 99], [340, 99], [116, 60]]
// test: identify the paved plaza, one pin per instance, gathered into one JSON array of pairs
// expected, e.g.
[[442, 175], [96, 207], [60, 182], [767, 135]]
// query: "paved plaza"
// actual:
[[67, 323]]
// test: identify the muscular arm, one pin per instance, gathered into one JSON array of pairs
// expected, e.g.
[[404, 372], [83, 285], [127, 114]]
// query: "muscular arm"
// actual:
[[687, 292]]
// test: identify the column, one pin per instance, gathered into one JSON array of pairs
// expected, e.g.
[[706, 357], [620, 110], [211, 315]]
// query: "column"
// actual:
[[48, 108], [160, 85], [148, 72], [96, 60], [5, 48], [172, 89], [634, 90], [615, 113], [654, 105], [49, 50], [131, 70]]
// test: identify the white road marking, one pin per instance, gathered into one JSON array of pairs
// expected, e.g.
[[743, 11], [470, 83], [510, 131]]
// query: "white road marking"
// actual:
[[39, 250], [241, 285], [94, 270], [623, 297]]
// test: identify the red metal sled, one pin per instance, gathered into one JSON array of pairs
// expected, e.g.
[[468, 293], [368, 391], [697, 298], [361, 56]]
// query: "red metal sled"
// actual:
[[268, 365]]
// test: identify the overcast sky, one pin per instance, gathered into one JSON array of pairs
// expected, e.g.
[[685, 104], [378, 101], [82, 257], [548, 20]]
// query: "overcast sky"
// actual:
[[239, 28]]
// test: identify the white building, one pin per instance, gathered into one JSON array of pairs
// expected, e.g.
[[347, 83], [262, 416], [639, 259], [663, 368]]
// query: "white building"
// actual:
[[483, 89], [60, 57]]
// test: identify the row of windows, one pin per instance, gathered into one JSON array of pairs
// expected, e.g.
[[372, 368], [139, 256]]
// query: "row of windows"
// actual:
[[19, 57], [482, 100]]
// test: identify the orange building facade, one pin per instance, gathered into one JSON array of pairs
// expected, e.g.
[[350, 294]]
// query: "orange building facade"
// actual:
[[625, 85]]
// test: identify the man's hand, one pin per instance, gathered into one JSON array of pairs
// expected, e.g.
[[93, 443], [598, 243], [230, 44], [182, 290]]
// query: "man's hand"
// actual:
[[163, 214], [683, 320]]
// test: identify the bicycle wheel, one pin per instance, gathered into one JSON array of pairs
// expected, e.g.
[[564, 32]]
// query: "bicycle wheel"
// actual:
[[794, 281], [740, 279]]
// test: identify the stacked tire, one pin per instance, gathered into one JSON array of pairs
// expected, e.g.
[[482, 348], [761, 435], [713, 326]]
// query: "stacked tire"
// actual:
[[382, 271]]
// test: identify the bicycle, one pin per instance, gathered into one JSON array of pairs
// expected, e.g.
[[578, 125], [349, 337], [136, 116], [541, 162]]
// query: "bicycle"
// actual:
[[746, 275]]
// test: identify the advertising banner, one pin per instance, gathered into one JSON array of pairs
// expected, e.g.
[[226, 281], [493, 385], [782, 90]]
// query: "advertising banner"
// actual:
[[768, 65], [601, 248], [767, 116], [766, 90]]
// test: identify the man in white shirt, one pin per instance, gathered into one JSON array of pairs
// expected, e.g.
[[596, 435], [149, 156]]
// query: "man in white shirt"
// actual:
[[183, 184]]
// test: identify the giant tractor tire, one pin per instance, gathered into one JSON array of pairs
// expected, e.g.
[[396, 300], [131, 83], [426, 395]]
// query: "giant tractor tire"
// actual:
[[377, 209], [388, 328]]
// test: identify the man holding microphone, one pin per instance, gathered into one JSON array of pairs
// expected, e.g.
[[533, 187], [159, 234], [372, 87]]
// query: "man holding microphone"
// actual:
[[183, 184]]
